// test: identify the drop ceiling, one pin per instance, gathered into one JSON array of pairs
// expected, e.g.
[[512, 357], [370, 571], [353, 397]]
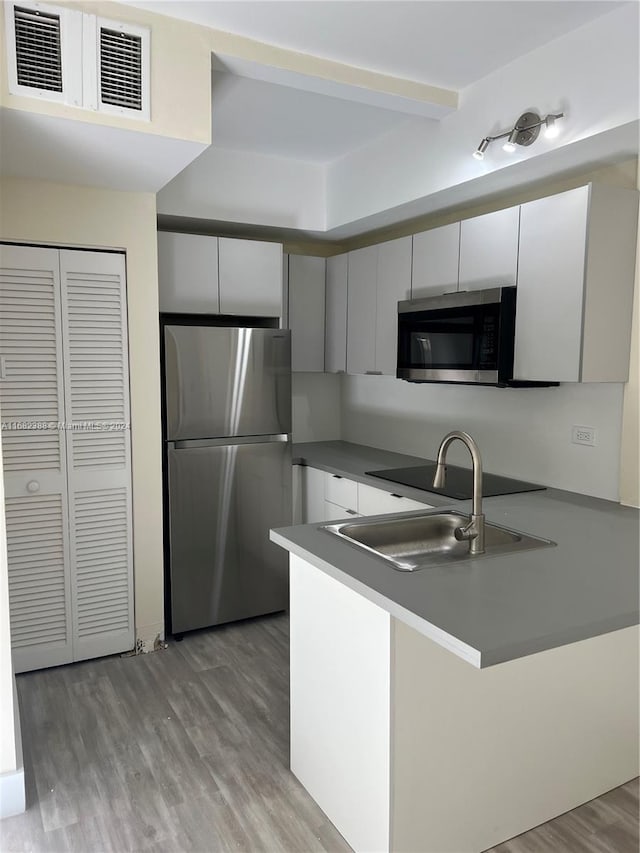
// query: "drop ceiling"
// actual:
[[252, 115], [449, 43]]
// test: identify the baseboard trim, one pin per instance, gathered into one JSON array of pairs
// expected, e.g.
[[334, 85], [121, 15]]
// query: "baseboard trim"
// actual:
[[12, 798], [149, 638], [12, 791]]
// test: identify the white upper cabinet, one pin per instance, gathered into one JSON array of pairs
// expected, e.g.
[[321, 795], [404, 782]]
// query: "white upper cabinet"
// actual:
[[394, 285], [489, 250], [575, 286], [361, 312], [188, 273], [306, 313], [335, 348], [250, 277], [379, 277], [199, 274], [436, 255]]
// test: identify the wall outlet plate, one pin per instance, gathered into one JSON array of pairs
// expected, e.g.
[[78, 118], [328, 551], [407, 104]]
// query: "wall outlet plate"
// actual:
[[584, 435]]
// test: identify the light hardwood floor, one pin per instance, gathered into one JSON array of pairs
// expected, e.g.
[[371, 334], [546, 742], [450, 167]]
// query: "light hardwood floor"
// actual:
[[187, 750]]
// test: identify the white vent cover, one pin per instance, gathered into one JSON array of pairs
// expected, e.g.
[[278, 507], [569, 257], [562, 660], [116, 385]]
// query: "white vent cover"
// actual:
[[123, 68], [38, 49], [65, 55]]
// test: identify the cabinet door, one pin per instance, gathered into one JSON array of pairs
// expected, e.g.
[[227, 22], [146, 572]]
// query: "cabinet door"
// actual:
[[550, 287], [489, 250], [250, 276], [335, 342], [313, 488], [342, 492], [436, 255], [188, 273], [96, 378], [34, 457], [361, 313], [394, 285], [335, 512], [296, 494], [306, 313]]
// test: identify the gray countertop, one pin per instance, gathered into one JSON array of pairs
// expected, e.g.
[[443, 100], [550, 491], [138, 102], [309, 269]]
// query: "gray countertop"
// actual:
[[491, 609]]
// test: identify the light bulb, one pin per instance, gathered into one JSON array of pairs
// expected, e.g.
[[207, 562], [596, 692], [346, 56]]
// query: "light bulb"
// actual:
[[479, 152], [510, 145], [551, 130]]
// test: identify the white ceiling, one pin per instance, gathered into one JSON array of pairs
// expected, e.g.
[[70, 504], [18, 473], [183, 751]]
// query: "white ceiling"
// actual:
[[251, 115], [449, 43]]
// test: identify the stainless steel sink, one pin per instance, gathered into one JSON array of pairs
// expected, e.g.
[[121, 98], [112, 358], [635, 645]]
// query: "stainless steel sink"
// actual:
[[410, 542]]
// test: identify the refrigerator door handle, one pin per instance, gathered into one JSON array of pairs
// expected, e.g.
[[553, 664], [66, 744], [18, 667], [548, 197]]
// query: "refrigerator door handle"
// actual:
[[227, 441]]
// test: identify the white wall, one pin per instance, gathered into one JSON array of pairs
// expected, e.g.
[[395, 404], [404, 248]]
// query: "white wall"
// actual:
[[240, 186], [316, 406], [524, 433], [591, 74], [11, 771]]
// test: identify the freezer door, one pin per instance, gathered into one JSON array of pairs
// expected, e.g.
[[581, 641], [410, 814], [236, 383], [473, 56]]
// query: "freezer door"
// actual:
[[222, 502], [224, 381]]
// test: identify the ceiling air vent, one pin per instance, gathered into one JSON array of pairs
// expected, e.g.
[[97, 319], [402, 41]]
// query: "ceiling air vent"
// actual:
[[38, 49], [123, 68], [120, 69], [59, 53]]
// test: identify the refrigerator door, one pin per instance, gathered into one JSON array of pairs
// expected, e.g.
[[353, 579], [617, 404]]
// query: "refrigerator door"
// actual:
[[223, 381], [223, 499]]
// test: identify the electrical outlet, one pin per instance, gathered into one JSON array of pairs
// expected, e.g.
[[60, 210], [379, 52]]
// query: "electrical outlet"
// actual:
[[584, 435]]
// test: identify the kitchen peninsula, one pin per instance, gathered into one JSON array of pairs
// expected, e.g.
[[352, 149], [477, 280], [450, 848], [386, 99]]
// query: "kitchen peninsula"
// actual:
[[451, 708]]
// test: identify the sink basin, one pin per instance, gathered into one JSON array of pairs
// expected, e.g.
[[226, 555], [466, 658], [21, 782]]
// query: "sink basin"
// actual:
[[410, 542]]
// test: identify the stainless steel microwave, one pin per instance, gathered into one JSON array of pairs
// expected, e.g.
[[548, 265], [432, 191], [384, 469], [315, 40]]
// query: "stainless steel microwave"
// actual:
[[466, 337]]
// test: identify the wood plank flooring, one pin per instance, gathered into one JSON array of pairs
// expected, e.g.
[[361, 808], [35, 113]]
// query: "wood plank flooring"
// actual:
[[187, 750]]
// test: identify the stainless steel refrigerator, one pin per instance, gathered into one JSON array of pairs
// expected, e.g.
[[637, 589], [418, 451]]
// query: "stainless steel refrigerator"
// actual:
[[228, 463]]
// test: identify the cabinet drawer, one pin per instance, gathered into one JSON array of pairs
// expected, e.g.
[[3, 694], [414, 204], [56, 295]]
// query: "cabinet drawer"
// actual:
[[372, 501], [333, 512], [341, 491]]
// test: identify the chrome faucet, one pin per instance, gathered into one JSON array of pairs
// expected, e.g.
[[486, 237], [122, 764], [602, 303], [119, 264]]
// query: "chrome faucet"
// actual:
[[473, 532]]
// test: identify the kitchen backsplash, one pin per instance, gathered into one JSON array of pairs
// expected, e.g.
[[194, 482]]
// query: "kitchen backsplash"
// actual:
[[524, 433], [316, 406]]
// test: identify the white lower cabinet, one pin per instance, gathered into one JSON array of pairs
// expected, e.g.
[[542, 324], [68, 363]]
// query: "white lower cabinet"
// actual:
[[340, 709], [407, 747], [64, 399], [333, 512], [342, 492], [328, 497], [373, 501], [312, 487]]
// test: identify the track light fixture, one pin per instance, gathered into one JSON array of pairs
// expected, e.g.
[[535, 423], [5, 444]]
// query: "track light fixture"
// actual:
[[524, 132]]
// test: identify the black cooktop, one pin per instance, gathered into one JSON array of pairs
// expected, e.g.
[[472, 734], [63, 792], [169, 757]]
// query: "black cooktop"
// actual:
[[459, 481]]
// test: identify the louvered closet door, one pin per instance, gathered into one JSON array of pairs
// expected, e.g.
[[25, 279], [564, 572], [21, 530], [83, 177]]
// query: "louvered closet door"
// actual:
[[34, 457], [99, 451]]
